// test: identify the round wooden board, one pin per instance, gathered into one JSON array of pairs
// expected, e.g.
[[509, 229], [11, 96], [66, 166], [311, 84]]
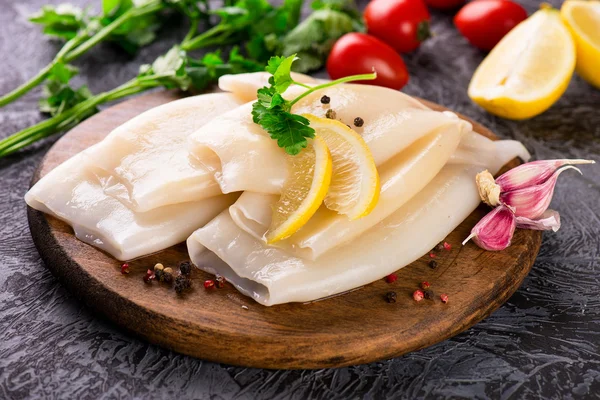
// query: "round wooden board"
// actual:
[[355, 328]]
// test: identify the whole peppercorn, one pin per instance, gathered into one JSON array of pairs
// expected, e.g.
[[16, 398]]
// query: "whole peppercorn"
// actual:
[[168, 275], [358, 121], [325, 99], [432, 255], [390, 297], [447, 246], [125, 268], [425, 285], [439, 247], [185, 267], [391, 278], [149, 277], [418, 295], [444, 298], [433, 264], [220, 282], [159, 272], [182, 283], [331, 114], [428, 294]]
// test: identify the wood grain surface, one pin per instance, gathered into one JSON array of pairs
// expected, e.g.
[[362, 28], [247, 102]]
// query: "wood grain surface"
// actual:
[[354, 328]]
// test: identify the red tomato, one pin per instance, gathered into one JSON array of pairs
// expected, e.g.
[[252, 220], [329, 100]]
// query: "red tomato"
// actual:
[[358, 53], [403, 24], [485, 22], [444, 4]]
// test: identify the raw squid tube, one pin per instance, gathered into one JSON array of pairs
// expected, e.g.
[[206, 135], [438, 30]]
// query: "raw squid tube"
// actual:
[[477, 149], [243, 157], [146, 162], [401, 179], [272, 276], [71, 192], [244, 86]]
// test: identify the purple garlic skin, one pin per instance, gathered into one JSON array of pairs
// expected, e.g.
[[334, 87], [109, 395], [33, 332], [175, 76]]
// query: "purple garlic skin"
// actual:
[[533, 173], [494, 232], [531, 202], [550, 219]]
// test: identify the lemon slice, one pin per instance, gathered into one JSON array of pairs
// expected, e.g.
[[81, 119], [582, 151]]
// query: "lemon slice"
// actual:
[[354, 189], [583, 19], [303, 192], [528, 70]]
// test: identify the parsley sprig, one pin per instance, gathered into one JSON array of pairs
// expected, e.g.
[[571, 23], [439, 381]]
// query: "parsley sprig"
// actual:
[[274, 113]]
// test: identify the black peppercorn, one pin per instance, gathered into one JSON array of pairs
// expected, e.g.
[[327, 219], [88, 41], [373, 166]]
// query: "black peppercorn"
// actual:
[[358, 121], [325, 100], [439, 247], [390, 297], [331, 114], [185, 267], [182, 283], [220, 282], [428, 294], [433, 264]]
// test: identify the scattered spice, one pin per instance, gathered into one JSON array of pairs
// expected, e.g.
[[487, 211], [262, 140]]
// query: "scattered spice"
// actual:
[[331, 114], [391, 278], [432, 255], [185, 267], [168, 275], [220, 282], [425, 285], [209, 284], [149, 277], [428, 294], [125, 268], [158, 272], [444, 298], [391, 297], [447, 246], [358, 122], [245, 307], [325, 99], [439, 247], [182, 283], [418, 295], [433, 264]]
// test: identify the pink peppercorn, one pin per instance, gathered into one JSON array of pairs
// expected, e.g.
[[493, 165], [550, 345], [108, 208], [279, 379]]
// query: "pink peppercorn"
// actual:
[[425, 285], [444, 298], [418, 295], [149, 276], [209, 283], [447, 246], [391, 278], [432, 255], [125, 268]]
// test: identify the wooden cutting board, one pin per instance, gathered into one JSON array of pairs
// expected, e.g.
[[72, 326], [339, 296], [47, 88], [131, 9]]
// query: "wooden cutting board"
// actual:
[[224, 326]]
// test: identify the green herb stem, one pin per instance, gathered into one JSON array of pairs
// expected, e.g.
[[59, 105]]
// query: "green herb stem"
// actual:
[[363, 77], [27, 86]]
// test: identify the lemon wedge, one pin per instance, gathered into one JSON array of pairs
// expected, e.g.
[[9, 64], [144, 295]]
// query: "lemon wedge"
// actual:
[[303, 193], [583, 20], [528, 70], [354, 189]]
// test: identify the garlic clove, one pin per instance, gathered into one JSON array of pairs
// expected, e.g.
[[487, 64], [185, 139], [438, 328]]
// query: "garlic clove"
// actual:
[[489, 190], [531, 202], [550, 219], [494, 231], [533, 173]]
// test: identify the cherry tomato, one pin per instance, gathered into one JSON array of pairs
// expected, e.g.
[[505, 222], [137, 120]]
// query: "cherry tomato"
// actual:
[[444, 4], [358, 53], [403, 24], [485, 22]]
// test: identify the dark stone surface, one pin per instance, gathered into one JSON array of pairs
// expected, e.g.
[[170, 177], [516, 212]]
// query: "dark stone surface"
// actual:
[[544, 342]]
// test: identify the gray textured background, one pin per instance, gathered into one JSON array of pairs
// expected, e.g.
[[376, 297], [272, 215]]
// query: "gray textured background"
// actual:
[[544, 342]]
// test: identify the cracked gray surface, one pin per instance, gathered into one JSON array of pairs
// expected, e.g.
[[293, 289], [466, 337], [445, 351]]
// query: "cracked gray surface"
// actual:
[[544, 342]]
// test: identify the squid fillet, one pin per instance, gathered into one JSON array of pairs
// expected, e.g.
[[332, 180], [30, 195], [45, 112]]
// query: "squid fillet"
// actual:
[[244, 86], [146, 161], [272, 276], [243, 157], [72, 192]]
